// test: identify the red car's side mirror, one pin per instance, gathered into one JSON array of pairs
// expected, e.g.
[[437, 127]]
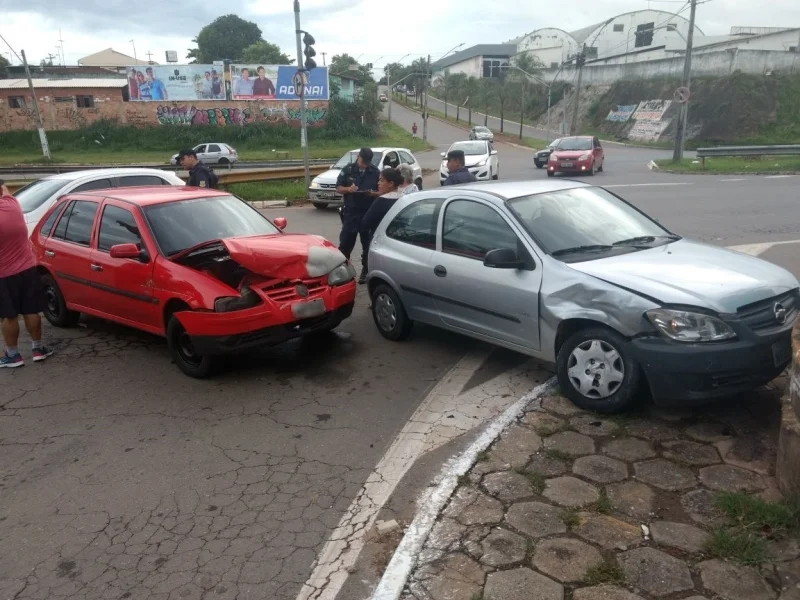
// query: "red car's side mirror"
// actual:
[[280, 223], [125, 251]]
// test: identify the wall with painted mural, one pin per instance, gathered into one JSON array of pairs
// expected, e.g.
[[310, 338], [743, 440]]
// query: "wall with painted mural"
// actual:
[[63, 116]]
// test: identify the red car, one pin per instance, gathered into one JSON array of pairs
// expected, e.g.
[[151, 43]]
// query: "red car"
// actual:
[[581, 154], [198, 266]]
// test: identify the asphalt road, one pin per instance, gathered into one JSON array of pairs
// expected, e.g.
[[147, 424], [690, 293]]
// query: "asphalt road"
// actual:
[[121, 478]]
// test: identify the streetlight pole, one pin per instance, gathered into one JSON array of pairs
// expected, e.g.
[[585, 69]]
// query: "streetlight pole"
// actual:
[[537, 80], [680, 131], [303, 131], [428, 76], [136, 58]]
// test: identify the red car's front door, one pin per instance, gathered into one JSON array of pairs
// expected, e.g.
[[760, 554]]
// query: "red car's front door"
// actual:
[[68, 252], [123, 287]]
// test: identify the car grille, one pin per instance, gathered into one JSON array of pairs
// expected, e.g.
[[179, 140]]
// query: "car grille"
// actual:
[[760, 316], [286, 291], [327, 186]]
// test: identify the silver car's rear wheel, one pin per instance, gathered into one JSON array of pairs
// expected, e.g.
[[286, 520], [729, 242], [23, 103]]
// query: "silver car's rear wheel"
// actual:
[[596, 370]]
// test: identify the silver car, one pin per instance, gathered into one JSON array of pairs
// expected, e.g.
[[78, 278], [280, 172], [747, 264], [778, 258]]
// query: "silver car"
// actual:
[[213, 154], [481, 133], [574, 275]]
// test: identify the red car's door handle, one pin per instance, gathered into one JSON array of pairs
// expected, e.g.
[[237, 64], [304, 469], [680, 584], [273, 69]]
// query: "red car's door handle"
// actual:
[[49, 253], [95, 267]]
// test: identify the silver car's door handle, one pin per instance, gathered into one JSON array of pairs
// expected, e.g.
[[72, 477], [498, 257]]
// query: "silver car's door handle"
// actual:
[[440, 271], [95, 267], [49, 253]]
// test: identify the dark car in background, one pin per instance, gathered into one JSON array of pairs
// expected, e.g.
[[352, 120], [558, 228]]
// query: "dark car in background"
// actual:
[[542, 156]]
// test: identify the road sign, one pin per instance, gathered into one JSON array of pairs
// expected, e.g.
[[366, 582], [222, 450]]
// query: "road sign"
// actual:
[[682, 95], [299, 81]]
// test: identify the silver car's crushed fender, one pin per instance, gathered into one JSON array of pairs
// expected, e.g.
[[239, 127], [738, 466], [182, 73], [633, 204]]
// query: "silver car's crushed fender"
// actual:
[[569, 294]]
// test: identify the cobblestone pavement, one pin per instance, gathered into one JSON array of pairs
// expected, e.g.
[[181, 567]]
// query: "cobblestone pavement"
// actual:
[[567, 505]]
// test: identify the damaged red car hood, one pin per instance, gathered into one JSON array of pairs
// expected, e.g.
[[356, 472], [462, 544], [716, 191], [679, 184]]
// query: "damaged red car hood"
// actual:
[[285, 256]]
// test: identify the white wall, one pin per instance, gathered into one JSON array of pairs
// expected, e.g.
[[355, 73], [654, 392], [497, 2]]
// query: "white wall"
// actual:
[[550, 45], [704, 63], [779, 42], [472, 67], [609, 42]]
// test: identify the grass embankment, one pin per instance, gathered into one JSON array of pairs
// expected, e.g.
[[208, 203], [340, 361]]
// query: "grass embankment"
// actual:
[[142, 151], [530, 142], [733, 165]]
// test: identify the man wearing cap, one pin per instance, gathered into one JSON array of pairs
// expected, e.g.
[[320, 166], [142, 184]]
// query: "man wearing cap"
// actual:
[[458, 172], [358, 183]]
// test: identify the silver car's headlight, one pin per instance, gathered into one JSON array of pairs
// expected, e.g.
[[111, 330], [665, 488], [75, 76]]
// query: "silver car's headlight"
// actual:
[[482, 163], [684, 326], [342, 274], [314, 185]]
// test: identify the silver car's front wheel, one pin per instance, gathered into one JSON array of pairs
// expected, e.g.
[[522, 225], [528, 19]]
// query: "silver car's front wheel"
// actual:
[[596, 370], [389, 315]]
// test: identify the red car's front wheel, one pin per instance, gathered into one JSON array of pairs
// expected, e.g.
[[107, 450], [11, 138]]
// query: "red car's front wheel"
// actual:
[[184, 355]]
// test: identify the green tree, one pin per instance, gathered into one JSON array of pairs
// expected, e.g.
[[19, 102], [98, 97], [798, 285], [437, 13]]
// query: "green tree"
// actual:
[[265, 53], [341, 63], [4, 64], [224, 38]]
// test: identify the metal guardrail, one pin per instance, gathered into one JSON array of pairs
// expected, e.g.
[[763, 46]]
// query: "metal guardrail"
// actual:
[[728, 151], [227, 177], [57, 168]]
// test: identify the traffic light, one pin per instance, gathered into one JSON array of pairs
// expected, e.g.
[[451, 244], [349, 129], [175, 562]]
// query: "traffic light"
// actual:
[[309, 52]]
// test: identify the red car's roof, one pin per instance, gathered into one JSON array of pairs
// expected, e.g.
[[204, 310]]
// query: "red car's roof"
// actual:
[[155, 194]]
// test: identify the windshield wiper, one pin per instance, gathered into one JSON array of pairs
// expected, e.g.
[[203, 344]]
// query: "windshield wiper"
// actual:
[[645, 239], [576, 249]]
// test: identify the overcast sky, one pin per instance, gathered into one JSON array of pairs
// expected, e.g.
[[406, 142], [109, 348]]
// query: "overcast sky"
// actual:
[[382, 33]]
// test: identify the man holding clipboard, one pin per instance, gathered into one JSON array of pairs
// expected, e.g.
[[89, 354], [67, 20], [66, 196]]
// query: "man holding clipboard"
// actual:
[[358, 183]]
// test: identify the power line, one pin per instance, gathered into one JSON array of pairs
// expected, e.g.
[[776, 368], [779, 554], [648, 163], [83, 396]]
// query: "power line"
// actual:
[[10, 48]]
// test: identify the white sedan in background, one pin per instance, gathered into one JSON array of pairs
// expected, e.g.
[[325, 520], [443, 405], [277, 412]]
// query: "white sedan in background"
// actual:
[[37, 197], [213, 154], [480, 158]]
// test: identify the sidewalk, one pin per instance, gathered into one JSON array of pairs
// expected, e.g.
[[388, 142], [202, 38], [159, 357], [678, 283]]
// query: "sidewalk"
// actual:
[[667, 505]]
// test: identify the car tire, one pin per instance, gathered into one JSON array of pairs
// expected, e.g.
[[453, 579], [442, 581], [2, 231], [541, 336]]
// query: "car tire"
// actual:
[[389, 314], [57, 312], [224, 161], [182, 352], [538, 164], [602, 166], [591, 171], [551, 174], [615, 362], [496, 176], [320, 205], [418, 183]]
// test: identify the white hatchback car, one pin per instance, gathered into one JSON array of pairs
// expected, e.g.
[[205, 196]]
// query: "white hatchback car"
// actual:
[[213, 154], [37, 197], [480, 158], [323, 187]]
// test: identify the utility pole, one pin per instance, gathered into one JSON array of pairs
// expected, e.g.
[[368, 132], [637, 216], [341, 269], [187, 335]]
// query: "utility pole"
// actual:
[[680, 130], [42, 134], [149, 57], [136, 58], [579, 61], [522, 108], [300, 66], [425, 105], [324, 64], [391, 93]]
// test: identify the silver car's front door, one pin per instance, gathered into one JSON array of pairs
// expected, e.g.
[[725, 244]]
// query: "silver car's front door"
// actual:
[[214, 153], [405, 251], [201, 152], [408, 159], [497, 304]]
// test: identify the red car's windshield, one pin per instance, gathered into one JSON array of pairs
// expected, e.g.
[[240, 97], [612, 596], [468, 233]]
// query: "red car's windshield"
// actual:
[[575, 144], [181, 225]]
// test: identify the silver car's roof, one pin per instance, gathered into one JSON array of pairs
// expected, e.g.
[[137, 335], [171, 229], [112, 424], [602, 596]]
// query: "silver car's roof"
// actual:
[[73, 175], [506, 190]]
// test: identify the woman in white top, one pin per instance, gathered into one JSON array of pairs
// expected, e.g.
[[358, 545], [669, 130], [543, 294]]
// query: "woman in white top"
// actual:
[[408, 187]]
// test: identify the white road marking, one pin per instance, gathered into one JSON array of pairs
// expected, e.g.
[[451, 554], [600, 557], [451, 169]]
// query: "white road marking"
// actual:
[[758, 249], [397, 572], [621, 185], [778, 176], [445, 414], [730, 180]]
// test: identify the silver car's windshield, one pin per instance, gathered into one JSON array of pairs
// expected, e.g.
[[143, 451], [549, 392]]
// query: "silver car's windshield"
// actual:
[[470, 148], [482, 130], [587, 218], [33, 195]]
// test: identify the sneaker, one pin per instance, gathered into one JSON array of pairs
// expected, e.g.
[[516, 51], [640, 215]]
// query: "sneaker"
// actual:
[[11, 362], [363, 278], [40, 354]]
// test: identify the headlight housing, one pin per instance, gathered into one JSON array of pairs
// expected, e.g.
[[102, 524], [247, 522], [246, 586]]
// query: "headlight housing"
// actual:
[[482, 163], [553, 158], [344, 273], [247, 299], [691, 327], [585, 157], [314, 184]]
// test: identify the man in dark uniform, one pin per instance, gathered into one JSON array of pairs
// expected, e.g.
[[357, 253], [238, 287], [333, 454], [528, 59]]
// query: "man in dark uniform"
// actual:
[[458, 172], [199, 174], [358, 183]]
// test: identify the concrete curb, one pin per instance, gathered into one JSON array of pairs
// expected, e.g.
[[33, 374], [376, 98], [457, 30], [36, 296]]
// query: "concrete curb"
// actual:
[[787, 471], [269, 203], [739, 173], [397, 572]]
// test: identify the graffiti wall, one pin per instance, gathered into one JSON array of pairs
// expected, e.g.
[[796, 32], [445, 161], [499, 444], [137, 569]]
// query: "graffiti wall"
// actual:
[[621, 114], [650, 120], [62, 116]]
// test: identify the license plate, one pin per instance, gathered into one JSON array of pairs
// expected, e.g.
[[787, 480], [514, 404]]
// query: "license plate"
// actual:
[[567, 164], [325, 194], [781, 352], [308, 310]]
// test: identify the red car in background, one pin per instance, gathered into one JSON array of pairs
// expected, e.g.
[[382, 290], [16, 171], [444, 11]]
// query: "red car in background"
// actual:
[[199, 267], [580, 154]]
